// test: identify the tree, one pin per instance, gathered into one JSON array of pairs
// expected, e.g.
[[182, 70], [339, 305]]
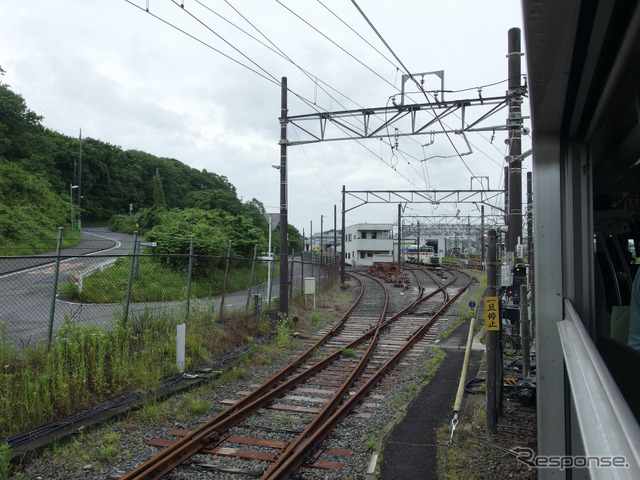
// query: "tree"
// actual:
[[294, 239], [158, 192]]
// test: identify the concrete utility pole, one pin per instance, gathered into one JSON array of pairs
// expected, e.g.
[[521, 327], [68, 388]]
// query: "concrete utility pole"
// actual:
[[514, 122], [284, 264], [492, 353]]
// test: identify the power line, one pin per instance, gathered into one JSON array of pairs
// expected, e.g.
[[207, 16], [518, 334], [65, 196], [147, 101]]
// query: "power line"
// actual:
[[166, 22], [410, 76], [279, 50], [360, 36]]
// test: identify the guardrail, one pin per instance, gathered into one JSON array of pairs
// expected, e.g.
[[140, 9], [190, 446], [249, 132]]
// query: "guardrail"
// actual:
[[88, 270], [606, 424]]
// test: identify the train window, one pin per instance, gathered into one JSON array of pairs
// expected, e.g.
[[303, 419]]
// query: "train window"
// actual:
[[621, 261]]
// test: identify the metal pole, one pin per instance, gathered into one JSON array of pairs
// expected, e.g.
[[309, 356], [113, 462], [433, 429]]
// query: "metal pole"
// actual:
[[71, 206], [530, 244], [269, 270], [321, 238], [80, 182], [253, 266], [302, 275], [482, 253], [291, 274], [284, 261], [399, 232], [335, 231], [272, 266], [418, 240], [137, 248], [130, 281], [524, 331], [343, 234], [224, 282], [491, 417], [186, 319], [56, 270], [514, 123]]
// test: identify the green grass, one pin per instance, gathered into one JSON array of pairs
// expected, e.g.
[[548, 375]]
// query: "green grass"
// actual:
[[88, 364], [5, 463], [156, 282], [371, 444], [197, 406]]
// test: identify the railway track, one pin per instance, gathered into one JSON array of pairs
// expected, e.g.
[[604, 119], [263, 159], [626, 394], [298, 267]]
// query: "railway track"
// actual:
[[322, 387]]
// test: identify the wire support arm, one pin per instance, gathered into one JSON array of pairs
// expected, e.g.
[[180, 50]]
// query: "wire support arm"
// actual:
[[415, 119]]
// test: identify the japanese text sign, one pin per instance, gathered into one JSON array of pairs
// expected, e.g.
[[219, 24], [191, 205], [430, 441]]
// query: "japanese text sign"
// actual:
[[491, 313]]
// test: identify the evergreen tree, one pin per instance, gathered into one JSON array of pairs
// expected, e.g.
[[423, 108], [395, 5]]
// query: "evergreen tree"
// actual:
[[158, 192]]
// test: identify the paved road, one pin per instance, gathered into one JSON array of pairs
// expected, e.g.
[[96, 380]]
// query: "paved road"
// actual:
[[26, 286], [26, 290]]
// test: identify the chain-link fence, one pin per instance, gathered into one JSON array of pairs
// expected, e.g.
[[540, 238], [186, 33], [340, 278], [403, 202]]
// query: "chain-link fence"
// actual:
[[39, 294]]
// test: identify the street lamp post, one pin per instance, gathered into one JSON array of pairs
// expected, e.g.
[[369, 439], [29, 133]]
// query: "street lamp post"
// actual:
[[71, 189]]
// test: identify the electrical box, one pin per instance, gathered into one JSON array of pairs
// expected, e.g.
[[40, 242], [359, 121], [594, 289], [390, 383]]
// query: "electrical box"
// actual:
[[309, 285]]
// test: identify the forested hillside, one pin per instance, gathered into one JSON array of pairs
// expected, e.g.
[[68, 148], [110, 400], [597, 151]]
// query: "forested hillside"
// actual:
[[38, 166]]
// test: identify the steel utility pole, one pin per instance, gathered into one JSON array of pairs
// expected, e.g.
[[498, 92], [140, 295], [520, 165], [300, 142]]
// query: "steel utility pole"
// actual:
[[514, 122], [399, 233], [321, 237], [284, 264], [335, 230]]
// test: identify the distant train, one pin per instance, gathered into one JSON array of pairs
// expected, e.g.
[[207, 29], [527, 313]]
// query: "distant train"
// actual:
[[426, 255]]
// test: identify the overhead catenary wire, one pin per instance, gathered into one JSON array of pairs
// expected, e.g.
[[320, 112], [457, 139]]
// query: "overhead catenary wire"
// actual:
[[313, 103], [266, 74], [409, 74], [269, 77], [360, 36]]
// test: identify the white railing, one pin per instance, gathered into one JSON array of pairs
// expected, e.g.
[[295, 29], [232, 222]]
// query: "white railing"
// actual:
[[89, 269], [607, 427]]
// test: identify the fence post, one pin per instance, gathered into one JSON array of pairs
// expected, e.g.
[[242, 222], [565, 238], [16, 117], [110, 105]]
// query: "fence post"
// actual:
[[137, 250], [272, 266], [52, 308], [189, 279], [224, 283], [302, 273], [253, 266], [133, 261], [291, 276]]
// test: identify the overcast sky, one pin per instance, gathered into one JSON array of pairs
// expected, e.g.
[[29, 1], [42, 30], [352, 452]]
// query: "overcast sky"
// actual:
[[131, 78]]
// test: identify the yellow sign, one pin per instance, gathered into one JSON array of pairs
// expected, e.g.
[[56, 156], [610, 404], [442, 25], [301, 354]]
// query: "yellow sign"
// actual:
[[491, 313]]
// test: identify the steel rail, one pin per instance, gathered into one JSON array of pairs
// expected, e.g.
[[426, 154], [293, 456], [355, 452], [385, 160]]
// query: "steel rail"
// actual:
[[212, 433], [190, 444], [337, 398], [297, 458], [294, 447]]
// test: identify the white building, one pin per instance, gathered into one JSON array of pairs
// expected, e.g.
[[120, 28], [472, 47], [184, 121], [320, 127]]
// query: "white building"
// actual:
[[366, 243]]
